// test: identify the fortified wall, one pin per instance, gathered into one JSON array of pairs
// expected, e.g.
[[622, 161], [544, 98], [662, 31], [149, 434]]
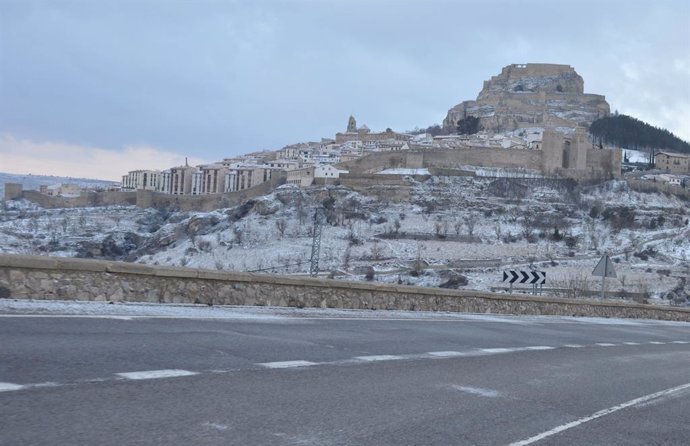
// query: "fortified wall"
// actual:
[[14, 191], [38, 277], [565, 156], [144, 198]]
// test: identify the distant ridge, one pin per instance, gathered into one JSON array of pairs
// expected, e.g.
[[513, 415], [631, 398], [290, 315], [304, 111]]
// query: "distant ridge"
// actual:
[[33, 182]]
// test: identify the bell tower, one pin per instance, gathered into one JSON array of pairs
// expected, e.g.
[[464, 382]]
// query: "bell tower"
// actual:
[[351, 125]]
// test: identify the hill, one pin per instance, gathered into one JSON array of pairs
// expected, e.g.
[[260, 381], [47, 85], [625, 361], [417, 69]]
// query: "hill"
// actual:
[[630, 133]]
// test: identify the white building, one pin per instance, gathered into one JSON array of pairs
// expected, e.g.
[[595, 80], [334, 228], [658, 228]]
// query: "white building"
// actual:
[[327, 171], [141, 180]]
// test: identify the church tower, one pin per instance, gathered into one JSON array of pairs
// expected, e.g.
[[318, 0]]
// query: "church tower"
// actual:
[[351, 125]]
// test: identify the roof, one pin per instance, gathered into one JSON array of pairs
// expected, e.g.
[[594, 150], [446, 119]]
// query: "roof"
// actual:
[[674, 155]]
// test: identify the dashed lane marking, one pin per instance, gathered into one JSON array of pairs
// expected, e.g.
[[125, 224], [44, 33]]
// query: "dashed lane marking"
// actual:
[[486, 393], [449, 354], [172, 373], [286, 364], [373, 358], [156, 374], [9, 387]]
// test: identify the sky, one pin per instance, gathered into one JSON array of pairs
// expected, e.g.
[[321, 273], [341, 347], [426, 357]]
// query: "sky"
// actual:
[[95, 88]]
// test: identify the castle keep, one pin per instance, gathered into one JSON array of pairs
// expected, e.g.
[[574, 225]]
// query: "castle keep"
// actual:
[[531, 95]]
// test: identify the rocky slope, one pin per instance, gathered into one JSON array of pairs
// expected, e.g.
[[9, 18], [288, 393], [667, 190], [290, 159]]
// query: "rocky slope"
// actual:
[[459, 232], [542, 95]]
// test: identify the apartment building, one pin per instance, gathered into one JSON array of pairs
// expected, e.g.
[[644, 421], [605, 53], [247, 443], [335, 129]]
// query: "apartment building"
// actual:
[[141, 180]]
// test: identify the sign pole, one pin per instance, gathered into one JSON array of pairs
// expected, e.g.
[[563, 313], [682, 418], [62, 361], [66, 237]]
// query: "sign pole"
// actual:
[[603, 277]]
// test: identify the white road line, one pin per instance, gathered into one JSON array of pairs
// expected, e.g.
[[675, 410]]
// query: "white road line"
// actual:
[[379, 358], [449, 354], [680, 342], [605, 344], [540, 347], [9, 387], [631, 343], [601, 413], [656, 342], [499, 350], [156, 374], [573, 346], [286, 364], [487, 393]]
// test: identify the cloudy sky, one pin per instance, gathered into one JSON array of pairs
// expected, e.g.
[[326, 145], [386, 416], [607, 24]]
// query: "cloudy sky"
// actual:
[[98, 87]]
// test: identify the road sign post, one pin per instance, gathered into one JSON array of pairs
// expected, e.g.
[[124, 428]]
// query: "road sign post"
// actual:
[[604, 269]]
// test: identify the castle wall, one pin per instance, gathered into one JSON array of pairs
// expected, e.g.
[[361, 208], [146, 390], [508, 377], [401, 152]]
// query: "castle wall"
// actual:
[[86, 199], [485, 157], [13, 191], [146, 199]]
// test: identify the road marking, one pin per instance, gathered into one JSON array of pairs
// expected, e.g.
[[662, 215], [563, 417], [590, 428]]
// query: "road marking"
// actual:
[[498, 350], [286, 364], [9, 387], [631, 343], [217, 426], [573, 346], [680, 342], [156, 374], [449, 354], [540, 347], [605, 344], [656, 342], [379, 358], [601, 413], [487, 393]]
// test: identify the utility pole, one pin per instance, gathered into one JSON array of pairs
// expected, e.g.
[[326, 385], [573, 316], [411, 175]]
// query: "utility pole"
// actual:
[[316, 242]]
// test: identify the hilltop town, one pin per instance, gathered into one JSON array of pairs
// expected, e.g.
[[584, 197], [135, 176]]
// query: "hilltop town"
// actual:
[[527, 187], [530, 118]]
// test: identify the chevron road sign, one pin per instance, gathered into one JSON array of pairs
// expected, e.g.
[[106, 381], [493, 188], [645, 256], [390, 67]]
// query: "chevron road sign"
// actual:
[[533, 277]]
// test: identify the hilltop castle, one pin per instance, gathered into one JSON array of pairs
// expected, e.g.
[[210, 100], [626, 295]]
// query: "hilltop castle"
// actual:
[[531, 95]]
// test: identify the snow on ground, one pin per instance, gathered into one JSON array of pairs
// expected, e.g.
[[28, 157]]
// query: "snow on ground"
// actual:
[[451, 227], [403, 171], [636, 156], [130, 310]]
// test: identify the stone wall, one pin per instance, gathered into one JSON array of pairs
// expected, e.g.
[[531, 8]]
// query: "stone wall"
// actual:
[[37, 277], [13, 191], [583, 161], [86, 199], [145, 199]]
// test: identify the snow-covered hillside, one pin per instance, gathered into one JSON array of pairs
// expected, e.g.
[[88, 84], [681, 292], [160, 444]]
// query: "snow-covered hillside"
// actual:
[[457, 232]]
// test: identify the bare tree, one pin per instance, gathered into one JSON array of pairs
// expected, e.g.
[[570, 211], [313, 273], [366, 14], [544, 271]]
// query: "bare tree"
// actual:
[[497, 230], [457, 225], [281, 224], [470, 222]]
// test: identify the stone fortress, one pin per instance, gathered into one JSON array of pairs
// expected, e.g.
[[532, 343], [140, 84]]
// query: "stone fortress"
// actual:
[[531, 95]]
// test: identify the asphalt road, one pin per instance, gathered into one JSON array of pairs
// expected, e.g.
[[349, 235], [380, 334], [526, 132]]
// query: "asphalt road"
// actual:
[[314, 380]]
